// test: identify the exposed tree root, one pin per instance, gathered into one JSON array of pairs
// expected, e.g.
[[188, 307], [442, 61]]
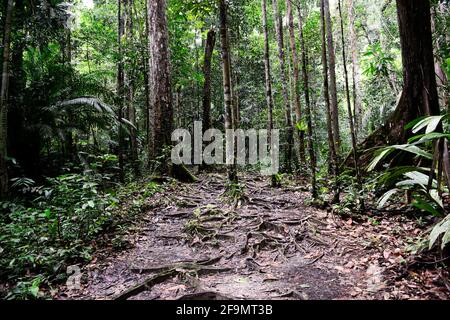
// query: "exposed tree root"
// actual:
[[168, 271], [147, 284], [206, 295], [181, 173]]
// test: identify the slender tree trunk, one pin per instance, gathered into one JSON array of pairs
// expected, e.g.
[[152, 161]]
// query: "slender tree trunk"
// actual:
[[4, 99], [129, 84], [268, 77], [441, 77], [228, 99], [284, 85], [332, 156], [16, 91], [120, 88], [147, 85], [209, 48], [332, 82], [160, 79], [349, 108], [237, 80], [356, 73], [312, 154], [296, 74]]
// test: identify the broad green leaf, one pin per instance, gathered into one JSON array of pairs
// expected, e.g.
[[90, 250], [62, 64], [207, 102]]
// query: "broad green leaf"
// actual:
[[383, 153], [413, 149], [430, 123], [445, 238], [428, 137], [386, 197], [420, 178], [406, 183], [414, 123], [440, 228], [435, 196], [390, 177], [425, 206]]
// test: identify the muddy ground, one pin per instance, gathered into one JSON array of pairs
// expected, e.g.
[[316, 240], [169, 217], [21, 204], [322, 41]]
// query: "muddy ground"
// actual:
[[195, 243]]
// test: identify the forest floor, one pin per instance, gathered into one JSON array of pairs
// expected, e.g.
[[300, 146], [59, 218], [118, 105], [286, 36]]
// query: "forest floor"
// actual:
[[193, 244]]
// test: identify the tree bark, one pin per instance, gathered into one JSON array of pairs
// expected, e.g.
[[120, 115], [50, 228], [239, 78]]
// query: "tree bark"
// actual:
[[120, 87], [145, 63], [209, 48], [441, 76], [356, 73], [237, 82], [349, 108], [228, 99], [160, 79], [268, 77], [332, 73], [312, 154], [296, 84], [284, 85], [420, 89], [129, 84], [419, 96], [332, 154], [4, 99]]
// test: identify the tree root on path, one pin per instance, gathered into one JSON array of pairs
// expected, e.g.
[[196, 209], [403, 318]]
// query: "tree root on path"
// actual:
[[188, 265], [169, 271], [206, 295], [147, 284]]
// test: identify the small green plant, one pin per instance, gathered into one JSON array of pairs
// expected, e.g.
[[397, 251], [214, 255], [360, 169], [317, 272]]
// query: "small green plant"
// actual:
[[235, 192], [27, 290]]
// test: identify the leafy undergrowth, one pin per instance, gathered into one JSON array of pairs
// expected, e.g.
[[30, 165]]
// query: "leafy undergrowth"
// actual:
[[61, 225]]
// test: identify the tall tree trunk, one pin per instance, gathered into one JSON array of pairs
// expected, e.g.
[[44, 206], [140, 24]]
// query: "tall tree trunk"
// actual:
[[356, 73], [160, 79], [147, 91], [4, 99], [296, 74], [332, 72], [129, 85], [332, 156], [237, 80], [441, 77], [420, 89], [209, 48], [284, 85], [419, 96], [228, 99], [17, 147], [349, 108], [120, 87], [146, 64], [312, 154], [268, 77]]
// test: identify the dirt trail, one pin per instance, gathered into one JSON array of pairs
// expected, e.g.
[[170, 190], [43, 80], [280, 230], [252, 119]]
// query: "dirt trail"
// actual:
[[195, 245]]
